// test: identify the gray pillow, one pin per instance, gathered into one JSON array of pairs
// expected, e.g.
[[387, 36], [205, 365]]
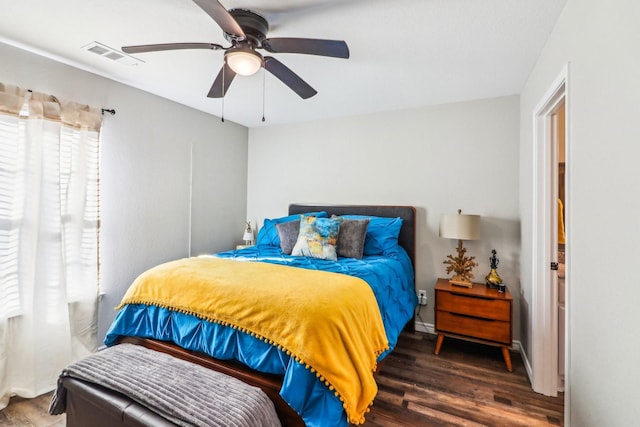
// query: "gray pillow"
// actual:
[[288, 233], [351, 237]]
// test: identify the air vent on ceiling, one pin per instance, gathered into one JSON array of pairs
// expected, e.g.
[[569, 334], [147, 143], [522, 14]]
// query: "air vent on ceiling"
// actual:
[[111, 53]]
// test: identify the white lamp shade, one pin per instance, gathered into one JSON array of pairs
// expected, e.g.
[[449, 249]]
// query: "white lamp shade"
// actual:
[[243, 61], [460, 226], [248, 236]]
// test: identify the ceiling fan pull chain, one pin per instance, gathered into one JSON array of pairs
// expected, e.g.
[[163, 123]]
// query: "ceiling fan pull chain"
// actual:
[[223, 73], [264, 79]]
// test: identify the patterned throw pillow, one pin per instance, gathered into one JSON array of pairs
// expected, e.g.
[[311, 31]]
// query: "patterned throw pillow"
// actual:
[[318, 238], [268, 234]]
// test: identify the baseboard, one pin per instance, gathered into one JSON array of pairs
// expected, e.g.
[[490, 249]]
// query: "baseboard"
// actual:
[[527, 365], [516, 346], [425, 327]]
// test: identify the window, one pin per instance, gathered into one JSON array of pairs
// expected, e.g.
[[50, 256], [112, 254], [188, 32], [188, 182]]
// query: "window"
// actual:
[[11, 190], [49, 224], [49, 210]]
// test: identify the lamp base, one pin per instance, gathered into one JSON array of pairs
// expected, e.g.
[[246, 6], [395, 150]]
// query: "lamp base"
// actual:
[[461, 265], [460, 281]]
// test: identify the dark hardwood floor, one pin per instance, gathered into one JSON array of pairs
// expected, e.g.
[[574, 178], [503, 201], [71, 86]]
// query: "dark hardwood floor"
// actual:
[[466, 385]]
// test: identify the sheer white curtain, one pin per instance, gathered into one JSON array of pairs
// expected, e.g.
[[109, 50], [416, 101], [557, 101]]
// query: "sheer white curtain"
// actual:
[[49, 224]]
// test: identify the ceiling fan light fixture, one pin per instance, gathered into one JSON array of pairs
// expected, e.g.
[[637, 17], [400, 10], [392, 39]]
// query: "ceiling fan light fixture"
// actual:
[[244, 62]]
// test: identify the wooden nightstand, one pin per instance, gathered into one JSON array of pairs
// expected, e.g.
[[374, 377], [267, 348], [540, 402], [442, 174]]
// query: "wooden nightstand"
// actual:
[[476, 314]]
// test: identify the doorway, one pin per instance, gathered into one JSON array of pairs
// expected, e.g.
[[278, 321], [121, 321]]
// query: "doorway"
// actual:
[[550, 327], [558, 234]]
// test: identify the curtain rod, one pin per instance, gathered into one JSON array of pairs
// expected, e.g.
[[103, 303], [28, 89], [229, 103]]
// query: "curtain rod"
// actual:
[[104, 110]]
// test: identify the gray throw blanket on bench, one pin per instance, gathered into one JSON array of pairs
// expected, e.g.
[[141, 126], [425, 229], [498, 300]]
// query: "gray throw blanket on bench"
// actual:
[[182, 392]]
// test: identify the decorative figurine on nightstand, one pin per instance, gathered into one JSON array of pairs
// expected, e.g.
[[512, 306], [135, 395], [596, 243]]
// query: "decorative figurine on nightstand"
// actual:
[[493, 279]]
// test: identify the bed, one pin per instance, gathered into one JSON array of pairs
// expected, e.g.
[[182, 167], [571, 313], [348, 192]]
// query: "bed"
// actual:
[[307, 367]]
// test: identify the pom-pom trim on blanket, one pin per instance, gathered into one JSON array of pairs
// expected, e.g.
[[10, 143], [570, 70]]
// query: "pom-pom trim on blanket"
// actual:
[[269, 341]]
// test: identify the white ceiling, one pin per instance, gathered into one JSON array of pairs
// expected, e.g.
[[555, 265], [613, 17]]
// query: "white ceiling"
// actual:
[[404, 53]]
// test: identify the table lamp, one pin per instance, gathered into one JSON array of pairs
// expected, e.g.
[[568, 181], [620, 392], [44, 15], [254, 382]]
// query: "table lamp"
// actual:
[[248, 235], [461, 227]]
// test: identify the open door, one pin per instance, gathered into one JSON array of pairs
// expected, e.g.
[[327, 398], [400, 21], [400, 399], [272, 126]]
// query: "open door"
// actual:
[[549, 313], [560, 236]]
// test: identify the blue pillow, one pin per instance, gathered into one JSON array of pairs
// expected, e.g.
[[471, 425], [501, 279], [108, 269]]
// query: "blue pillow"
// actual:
[[268, 234], [382, 233]]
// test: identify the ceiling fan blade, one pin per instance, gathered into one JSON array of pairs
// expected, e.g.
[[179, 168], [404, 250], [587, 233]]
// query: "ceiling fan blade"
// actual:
[[288, 77], [169, 46], [222, 17], [333, 48], [221, 85]]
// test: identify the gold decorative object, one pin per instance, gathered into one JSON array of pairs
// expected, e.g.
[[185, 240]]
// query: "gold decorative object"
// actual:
[[461, 227], [462, 266], [493, 280]]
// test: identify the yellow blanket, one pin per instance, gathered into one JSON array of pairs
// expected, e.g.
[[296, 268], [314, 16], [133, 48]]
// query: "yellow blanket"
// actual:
[[327, 321]]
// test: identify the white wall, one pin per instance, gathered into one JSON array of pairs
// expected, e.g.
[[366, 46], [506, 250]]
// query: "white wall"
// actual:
[[438, 159], [146, 172], [599, 40]]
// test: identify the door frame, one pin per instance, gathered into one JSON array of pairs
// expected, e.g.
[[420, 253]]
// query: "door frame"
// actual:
[[544, 297]]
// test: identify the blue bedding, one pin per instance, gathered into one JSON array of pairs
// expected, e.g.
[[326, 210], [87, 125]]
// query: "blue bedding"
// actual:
[[390, 276]]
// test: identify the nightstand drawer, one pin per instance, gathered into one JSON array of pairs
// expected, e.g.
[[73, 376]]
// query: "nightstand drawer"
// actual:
[[475, 306], [492, 330]]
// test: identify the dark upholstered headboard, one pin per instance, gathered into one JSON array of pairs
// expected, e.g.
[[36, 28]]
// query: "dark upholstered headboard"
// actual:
[[407, 237]]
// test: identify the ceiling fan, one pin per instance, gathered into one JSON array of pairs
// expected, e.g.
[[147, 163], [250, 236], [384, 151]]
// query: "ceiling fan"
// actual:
[[247, 31]]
